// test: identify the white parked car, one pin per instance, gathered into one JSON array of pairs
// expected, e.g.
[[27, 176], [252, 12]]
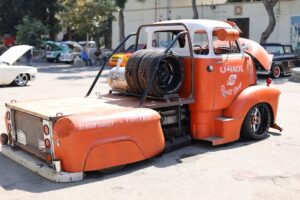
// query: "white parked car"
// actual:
[[73, 51], [15, 74]]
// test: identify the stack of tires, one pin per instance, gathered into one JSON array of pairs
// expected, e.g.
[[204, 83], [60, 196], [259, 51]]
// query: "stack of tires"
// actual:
[[168, 78]]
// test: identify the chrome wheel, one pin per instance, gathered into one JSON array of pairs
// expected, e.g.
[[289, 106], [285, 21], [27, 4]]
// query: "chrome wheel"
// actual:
[[21, 80], [257, 122], [255, 119]]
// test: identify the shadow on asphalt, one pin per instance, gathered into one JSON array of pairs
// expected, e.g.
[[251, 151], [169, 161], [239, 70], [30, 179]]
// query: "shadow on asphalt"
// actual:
[[15, 177]]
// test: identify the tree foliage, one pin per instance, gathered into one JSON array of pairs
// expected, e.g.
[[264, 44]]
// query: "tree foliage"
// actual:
[[13, 11], [86, 16], [31, 32]]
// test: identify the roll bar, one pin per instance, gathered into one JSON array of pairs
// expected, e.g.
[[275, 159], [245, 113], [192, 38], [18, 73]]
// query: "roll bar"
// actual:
[[144, 96], [106, 60]]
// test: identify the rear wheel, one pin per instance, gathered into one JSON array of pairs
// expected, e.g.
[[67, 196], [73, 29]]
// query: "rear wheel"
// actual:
[[21, 80], [276, 72], [257, 122]]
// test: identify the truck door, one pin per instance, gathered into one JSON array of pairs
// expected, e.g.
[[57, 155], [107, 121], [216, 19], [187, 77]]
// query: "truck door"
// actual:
[[230, 72]]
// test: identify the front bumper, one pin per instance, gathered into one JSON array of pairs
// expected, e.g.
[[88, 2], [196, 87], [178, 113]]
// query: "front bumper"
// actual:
[[40, 167]]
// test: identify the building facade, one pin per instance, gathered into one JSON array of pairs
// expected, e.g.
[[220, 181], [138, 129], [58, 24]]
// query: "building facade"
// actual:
[[251, 17]]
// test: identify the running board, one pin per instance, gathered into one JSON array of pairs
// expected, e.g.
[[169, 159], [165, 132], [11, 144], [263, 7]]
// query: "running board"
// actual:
[[214, 140]]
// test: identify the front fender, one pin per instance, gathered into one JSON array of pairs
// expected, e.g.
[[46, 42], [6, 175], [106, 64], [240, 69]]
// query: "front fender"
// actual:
[[251, 96]]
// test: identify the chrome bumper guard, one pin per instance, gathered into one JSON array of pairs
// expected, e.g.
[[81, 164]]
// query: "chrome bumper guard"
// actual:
[[40, 167]]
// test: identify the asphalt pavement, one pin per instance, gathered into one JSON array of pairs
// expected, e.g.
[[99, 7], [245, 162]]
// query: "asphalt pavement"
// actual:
[[268, 169]]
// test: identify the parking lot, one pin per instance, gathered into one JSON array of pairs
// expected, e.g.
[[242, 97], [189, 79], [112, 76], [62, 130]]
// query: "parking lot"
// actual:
[[267, 169]]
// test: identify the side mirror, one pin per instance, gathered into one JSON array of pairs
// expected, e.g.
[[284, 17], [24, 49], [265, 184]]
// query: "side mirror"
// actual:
[[225, 34]]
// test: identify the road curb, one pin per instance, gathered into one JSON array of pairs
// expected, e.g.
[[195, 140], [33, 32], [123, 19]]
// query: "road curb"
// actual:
[[296, 75]]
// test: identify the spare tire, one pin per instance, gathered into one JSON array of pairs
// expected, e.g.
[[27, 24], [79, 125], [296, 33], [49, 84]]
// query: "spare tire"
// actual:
[[169, 76], [132, 68]]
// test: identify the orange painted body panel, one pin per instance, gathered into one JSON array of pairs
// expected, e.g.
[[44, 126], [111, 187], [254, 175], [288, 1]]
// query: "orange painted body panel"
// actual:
[[227, 34], [251, 96], [113, 154], [258, 52], [227, 129], [104, 139], [216, 91]]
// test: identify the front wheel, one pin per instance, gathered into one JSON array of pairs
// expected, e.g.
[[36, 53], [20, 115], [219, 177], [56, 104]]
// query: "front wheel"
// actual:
[[276, 72], [257, 122], [21, 80]]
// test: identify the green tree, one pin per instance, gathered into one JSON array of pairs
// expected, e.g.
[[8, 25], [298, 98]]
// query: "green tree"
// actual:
[[86, 17], [13, 11], [31, 32]]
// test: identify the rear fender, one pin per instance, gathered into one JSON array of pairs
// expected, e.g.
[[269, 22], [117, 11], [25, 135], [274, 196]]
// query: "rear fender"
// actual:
[[250, 97], [112, 152]]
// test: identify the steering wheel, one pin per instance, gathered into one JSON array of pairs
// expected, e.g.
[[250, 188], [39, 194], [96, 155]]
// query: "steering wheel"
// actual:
[[197, 49]]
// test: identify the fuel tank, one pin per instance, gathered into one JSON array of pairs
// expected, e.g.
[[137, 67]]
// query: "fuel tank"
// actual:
[[116, 78]]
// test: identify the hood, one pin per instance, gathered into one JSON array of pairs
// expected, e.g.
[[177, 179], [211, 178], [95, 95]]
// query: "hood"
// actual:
[[14, 53], [258, 52]]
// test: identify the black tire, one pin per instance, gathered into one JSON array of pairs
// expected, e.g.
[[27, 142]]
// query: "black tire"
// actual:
[[169, 77], [131, 70], [257, 122], [149, 61], [21, 80], [276, 71]]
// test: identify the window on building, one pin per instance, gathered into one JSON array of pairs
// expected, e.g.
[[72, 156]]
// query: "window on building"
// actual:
[[200, 43]]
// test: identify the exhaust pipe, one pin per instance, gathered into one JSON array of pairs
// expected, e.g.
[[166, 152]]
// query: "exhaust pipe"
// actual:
[[277, 127]]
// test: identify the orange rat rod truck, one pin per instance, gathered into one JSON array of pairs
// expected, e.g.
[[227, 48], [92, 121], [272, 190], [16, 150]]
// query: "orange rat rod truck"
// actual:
[[196, 80]]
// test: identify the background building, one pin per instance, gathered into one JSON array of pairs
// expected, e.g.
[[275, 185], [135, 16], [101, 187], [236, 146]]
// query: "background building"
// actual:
[[251, 17]]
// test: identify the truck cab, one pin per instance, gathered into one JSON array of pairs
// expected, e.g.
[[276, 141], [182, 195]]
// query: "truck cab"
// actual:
[[195, 80]]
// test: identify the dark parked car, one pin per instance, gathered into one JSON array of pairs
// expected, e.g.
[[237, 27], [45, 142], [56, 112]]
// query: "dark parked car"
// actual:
[[284, 59]]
